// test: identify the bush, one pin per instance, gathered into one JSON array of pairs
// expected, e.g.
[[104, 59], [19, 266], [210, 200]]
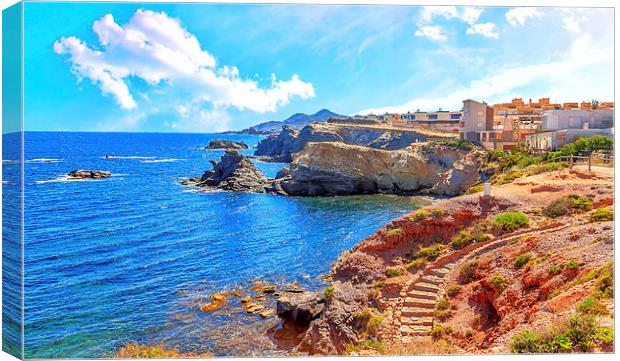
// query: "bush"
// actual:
[[394, 232], [468, 273], [526, 342], [440, 330], [475, 189], [592, 306], [430, 253], [328, 292], [436, 212], [443, 304], [365, 345], [563, 206], [465, 237], [510, 221], [419, 215], [498, 282], [547, 167], [522, 260], [605, 281], [555, 269], [453, 290], [601, 215], [580, 330], [416, 264], [572, 265], [604, 335], [393, 272]]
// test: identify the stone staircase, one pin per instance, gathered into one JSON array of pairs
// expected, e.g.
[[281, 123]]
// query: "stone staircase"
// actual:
[[419, 298]]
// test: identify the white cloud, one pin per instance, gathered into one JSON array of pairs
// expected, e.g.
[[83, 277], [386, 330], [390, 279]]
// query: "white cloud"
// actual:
[[487, 30], [467, 14], [434, 32], [429, 12], [572, 22], [582, 57], [471, 14], [156, 48], [518, 16]]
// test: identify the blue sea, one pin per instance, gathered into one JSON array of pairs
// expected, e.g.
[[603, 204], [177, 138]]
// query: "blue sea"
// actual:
[[132, 257]]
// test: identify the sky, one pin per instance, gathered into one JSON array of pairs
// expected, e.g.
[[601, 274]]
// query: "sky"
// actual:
[[215, 67]]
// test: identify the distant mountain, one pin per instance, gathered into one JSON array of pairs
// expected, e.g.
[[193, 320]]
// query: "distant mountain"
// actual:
[[297, 121]]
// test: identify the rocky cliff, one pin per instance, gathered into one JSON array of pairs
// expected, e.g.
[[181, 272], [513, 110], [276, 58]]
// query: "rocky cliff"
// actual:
[[336, 168], [460, 276], [280, 147]]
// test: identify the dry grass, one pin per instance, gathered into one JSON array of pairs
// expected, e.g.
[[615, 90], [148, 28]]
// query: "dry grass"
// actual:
[[420, 347]]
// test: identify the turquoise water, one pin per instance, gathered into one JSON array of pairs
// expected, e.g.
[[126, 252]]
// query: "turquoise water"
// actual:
[[130, 258]]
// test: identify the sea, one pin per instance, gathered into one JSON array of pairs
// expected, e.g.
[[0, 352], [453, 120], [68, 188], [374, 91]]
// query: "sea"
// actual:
[[130, 259]]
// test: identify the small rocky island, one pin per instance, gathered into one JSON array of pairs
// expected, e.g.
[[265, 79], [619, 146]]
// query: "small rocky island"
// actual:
[[225, 144], [88, 174]]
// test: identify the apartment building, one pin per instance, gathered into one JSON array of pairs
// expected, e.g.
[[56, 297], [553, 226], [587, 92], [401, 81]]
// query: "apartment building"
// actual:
[[477, 117]]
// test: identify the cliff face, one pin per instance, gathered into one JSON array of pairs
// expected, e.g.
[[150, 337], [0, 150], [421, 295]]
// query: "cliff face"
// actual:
[[490, 290], [335, 168], [281, 147]]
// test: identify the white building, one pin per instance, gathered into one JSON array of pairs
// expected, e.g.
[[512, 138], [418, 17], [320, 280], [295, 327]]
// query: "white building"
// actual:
[[578, 119]]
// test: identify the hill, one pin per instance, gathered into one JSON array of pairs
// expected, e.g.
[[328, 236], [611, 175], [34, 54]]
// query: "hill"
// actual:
[[297, 121]]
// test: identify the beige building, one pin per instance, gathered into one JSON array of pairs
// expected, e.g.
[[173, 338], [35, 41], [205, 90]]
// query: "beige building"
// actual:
[[556, 139], [477, 117]]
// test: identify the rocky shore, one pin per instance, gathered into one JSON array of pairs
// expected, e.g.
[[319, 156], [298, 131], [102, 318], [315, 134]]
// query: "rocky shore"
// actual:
[[336, 168], [225, 144]]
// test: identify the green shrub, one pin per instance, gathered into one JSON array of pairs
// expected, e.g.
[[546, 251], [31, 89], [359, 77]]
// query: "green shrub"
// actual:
[[440, 330], [547, 167], [510, 221], [582, 145], [605, 281], [430, 253], [436, 212], [465, 237], [394, 232], [468, 273], [419, 215], [572, 265], [526, 342], [453, 290], [592, 306], [601, 215], [393, 272], [442, 315], [443, 304], [522, 260], [604, 335], [416, 264], [506, 177], [555, 269], [564, 205], [365, 345], [580, 331], [498, 282], [475, 189], [328, 292]]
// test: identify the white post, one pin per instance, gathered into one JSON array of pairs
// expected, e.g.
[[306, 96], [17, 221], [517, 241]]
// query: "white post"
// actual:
[[487, 189]]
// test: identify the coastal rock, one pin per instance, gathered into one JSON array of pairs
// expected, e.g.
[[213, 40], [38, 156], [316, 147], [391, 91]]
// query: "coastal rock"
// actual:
[[281, 147], [332, 168], [226, 144], [300, 308], [234, 172], [283, 173], [88, 174]]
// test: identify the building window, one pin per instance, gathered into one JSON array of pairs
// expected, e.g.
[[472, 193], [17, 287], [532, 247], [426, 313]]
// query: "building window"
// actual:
[[455, 116], [432, 117]]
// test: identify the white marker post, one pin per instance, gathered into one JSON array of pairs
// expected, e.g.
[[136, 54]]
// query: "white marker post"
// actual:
[[487, 190]]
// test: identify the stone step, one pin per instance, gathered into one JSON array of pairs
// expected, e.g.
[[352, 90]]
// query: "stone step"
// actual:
[[425, 286], [436, 280], [419, 302], [417, 321], [416, 312], [422, 294], [449, 266], [440, 272], [415, 330]]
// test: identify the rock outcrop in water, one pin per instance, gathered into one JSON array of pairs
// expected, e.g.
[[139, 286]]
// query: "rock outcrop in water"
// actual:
[[88, 174], [226, 144], [234, 172], [281, 147], [334, 168]]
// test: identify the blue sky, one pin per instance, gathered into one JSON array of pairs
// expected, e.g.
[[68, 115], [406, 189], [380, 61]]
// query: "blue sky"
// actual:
[[204, 67]]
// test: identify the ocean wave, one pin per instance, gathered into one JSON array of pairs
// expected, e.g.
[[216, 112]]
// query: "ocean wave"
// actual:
[[66, 178], [126, 157], [43, 160], [164, 160]]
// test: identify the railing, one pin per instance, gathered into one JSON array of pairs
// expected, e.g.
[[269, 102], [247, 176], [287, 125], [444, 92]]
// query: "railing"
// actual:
[[598, 159]]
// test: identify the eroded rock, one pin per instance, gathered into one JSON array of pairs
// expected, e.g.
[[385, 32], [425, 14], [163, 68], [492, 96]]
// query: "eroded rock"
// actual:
[[88, 174], [301, 308], [226, 144]]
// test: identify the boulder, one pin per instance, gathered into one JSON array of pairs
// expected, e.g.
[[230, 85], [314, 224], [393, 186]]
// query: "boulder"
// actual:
[[226, 144], [88, 174], [234, 172], [283, 173], [301, 308]]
